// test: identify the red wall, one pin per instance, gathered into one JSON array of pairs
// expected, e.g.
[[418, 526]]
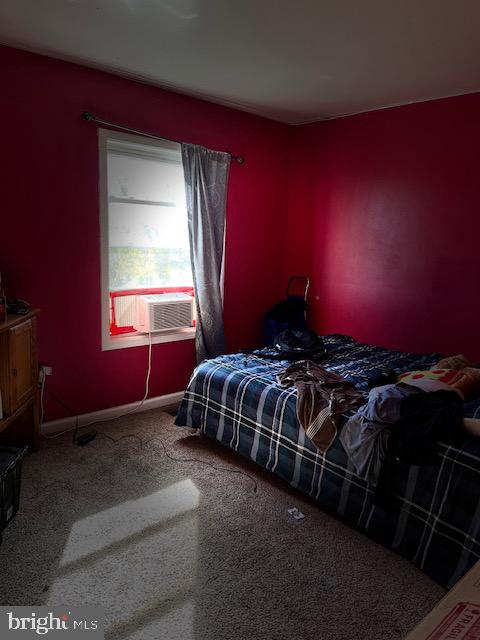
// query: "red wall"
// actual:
[[384, 213], [49, 237]]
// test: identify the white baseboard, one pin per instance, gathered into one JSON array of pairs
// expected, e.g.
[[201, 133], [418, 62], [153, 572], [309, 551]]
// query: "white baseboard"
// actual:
[[55, 426]]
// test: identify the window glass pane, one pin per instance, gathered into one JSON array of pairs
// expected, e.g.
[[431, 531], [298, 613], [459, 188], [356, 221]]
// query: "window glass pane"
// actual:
[[145, 179], [148, 247], [148, 234]]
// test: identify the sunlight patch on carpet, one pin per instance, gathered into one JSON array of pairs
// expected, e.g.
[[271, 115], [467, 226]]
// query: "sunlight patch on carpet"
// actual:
[[130, 518]]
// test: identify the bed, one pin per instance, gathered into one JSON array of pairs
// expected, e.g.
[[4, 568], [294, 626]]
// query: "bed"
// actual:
[[434, 520]]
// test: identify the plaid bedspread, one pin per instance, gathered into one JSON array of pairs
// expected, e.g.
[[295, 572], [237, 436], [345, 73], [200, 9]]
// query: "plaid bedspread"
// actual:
[[435, 516]]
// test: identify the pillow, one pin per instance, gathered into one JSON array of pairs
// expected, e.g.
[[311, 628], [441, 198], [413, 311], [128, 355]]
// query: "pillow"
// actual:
[[443, 375], [453, 362], [466, 380]]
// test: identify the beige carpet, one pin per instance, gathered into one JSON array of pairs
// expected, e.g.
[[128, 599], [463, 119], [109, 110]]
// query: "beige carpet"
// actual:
[[181, 551]]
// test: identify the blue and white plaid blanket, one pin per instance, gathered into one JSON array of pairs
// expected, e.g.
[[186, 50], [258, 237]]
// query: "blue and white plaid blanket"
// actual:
[[435, 520]]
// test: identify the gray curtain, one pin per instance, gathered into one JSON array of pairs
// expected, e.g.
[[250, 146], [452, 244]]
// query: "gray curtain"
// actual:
[[206, 177]]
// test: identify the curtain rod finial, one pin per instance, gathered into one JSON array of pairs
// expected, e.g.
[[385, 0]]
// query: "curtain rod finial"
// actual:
[[240, 159], [89, 117]]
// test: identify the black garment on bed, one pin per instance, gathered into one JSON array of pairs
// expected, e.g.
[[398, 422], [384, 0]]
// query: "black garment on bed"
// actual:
[[425, 419], [294, 345]]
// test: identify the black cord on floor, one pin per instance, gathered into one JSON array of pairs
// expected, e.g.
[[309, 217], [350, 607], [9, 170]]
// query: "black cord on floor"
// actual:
[[243, 473], [174, 459], [142, 443], [116, 440]]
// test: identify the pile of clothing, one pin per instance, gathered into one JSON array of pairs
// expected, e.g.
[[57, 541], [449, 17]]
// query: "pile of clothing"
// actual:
[[322, 398], [405, 421], [401, 422]]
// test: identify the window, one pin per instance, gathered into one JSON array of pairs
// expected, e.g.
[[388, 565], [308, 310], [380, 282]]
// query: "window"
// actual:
[[144, 233]]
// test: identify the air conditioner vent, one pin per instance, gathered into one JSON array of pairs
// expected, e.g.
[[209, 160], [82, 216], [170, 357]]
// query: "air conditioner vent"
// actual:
[[172, 315], [163, 312]]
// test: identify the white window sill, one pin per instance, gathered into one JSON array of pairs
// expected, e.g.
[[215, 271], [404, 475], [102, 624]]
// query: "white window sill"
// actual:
[[129, 340]]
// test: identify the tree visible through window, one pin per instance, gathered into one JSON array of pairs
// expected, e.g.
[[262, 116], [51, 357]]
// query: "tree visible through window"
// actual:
[[147, 217]]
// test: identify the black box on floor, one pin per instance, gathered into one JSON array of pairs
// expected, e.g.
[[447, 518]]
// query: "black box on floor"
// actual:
[[10, 475]]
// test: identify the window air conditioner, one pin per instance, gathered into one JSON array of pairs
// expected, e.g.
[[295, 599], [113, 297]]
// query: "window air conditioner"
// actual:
[[163, 312]]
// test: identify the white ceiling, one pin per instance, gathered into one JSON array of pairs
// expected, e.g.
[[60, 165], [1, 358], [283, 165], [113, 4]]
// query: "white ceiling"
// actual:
[[291, 60]]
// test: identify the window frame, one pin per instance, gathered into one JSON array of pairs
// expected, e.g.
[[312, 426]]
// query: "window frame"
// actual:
[[127, 340]]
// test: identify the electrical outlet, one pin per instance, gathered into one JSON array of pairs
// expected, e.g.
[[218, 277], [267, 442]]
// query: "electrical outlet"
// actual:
[[44, 372]]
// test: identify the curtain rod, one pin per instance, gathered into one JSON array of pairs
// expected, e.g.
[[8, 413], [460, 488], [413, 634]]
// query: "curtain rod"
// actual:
[[89, 117]]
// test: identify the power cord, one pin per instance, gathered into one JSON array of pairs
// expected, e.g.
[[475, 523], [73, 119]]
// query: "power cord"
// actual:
[[173, 458], [42, 393], [170, 457], [124, 437], [90, 436]]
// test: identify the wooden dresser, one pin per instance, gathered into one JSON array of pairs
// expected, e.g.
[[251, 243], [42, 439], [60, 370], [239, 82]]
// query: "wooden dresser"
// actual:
[[19, 380]]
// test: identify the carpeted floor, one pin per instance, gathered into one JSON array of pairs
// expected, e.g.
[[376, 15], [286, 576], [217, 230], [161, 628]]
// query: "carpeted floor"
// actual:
[[181, 551]]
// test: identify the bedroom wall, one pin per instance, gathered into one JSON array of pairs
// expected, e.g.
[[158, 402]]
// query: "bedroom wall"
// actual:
[[384, 213], [49, 238]]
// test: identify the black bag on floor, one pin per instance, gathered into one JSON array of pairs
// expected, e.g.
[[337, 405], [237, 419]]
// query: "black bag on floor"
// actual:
[[10, 475]]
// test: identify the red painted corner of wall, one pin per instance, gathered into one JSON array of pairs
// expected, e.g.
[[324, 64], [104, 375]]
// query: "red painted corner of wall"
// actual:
[[384, 212]]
